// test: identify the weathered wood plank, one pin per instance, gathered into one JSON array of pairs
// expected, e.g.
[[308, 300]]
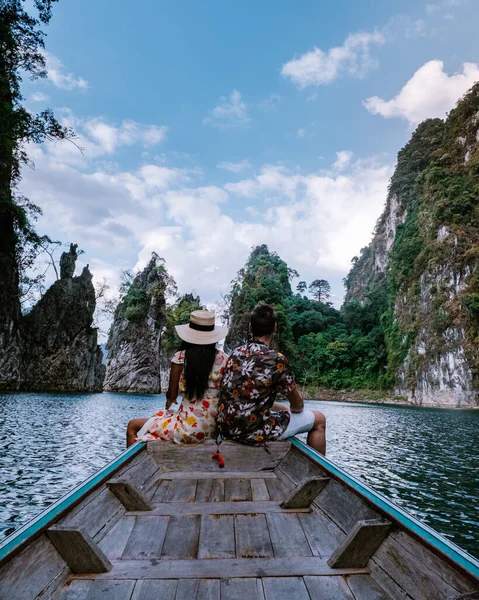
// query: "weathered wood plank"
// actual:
[[209, 589], [305, 493], [187, 589], [322, 534], [181, 540], [328, 587], [287, 535], [218, 491], [218, 567], [55, 584], [241, 589], [215, 508], [164, 589], [259, 490], [78, 550], [113, 544], [386, 583], [146, 539], [364, 588], [143, 474], [298, 467], [77, 589], [218, 475], [252, 537], [161, 491], [182, 490], [276, 489], [129, 495], [111, 589], [237, 490], [217, 537], [285, 588], [344, 507], [204, 489], [360, 544], [197, 457]]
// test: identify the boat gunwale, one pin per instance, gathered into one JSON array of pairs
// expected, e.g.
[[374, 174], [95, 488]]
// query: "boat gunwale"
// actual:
[[20, 538], [450, 552]]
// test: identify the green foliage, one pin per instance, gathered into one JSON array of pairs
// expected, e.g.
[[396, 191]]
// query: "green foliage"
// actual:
[[177, 314], [135, 304]]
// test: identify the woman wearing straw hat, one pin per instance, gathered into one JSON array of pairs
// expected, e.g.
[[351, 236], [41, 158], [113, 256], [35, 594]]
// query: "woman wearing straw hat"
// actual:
[[196, 371]]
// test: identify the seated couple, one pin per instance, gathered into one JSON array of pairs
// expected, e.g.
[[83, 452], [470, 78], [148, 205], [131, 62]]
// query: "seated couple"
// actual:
[[233, 395]]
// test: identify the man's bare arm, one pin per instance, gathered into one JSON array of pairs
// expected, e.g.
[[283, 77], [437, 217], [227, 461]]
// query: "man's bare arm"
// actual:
[[295, 401]]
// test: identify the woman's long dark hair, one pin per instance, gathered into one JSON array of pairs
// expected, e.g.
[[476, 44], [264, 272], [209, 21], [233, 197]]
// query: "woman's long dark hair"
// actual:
[[199, 361]]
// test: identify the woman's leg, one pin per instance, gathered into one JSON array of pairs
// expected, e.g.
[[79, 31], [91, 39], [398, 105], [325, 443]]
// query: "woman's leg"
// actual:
[[133, 428]]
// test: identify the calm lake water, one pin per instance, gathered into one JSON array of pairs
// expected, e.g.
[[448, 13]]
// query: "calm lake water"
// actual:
[[426, 460]]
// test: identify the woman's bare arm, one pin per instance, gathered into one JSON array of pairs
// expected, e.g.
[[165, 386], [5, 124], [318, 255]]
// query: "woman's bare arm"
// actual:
[[174, 384]]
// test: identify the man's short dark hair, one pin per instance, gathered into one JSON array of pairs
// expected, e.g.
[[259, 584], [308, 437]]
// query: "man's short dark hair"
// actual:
[[263, 319]]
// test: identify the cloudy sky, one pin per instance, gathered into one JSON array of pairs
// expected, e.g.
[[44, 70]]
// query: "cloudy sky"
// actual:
[[209, 127]]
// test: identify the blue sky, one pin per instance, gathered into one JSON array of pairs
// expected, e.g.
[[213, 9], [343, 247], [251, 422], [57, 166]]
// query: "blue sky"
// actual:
[[210, 127]]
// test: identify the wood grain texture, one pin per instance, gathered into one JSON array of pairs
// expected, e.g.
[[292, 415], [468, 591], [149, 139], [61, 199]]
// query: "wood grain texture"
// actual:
[[259, 491], [237, 490], [146, 539], [78, 550], [182, 490], [218, 508], [276, 489], [242, 589], [204, 490], [360, 544], [305, 493], [76, 589], [298, 467], [385, 581], [287, 535], [322, 534], [129, 495], [217, 537], [114, 543], [161, 491], [252, 537], [218, 567], [181, 540], [209, 589], [219, 474], [285, 588], [328, 587], [161, 589], [113, 590], [363, 587]]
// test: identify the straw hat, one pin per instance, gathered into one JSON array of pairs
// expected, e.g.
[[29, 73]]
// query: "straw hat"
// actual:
[[201, 329]]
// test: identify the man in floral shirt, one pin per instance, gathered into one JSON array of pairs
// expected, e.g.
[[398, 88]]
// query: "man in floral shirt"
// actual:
[[253, 376]]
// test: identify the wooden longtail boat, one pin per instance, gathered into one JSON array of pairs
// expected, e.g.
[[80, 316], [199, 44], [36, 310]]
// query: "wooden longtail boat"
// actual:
[[164, 522]]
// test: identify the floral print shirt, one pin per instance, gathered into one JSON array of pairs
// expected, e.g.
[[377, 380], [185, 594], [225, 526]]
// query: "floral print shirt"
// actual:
[[253, 376]]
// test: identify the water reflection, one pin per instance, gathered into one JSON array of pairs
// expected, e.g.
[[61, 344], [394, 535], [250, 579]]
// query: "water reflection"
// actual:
[[425, 460]]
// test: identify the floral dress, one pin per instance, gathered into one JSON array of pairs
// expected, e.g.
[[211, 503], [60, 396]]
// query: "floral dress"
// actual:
[[254, 375], [195, 419]]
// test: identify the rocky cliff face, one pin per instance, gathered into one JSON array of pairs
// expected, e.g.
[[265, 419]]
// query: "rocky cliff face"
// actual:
[[134, 355], [424, 258], [60, 347]]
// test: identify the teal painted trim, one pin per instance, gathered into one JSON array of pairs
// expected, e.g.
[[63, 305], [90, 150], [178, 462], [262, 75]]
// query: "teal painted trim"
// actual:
[[429, 536], [53, 512]]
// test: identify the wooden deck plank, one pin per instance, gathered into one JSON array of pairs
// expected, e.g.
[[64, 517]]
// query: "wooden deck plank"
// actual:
[[285, 588], [113, 544], [386, 583], [74, 590], [259, 490], [287, 535], [252, 537], [161, 491], [322, 533], [187, 589], [241, 589], [276, 489], [328, 587], [204, 489], [363, 587], [215, 508], [95, 515], [297, 467], [218, 491], [181, 540], [217, 537], [164, 589], [182, 490], [209, 589], [146, 539], [237, 490], [218, 567], [112, 589], [218, 474]]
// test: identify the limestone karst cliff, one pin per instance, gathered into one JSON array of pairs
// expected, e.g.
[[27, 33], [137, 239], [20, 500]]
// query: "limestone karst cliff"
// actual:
[[134, 355], [423, 261], [60, 350]]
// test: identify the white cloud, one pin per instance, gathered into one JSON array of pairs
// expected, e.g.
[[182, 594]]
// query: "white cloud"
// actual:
[[234, 167], [321, 68], [429, 93], [59, 76], [270, 102], [231, 112], [343, 158], [442, 7], [110, 137], [301, 133], [39, 97]]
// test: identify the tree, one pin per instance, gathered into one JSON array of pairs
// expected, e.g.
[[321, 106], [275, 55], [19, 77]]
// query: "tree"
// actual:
[[301, 287], [21, 44], [320, 289]]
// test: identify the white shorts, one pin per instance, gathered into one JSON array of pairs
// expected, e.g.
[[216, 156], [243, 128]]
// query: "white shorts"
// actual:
[[299, 423]]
